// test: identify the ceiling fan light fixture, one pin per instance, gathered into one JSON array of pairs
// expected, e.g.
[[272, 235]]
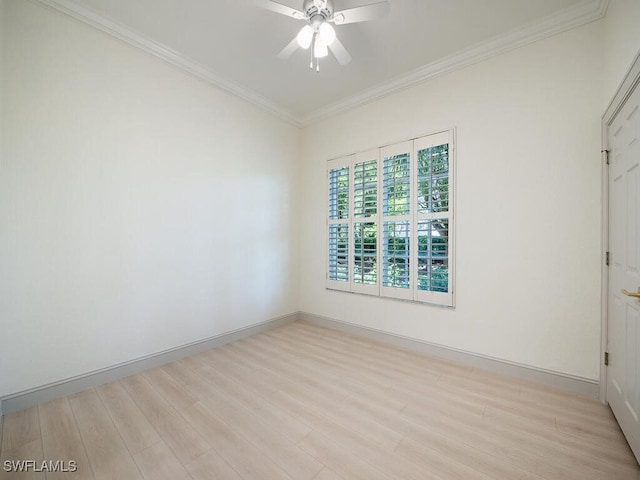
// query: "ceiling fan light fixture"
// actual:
[[327, 33], [320, 49], [319, 32], [304, 37]]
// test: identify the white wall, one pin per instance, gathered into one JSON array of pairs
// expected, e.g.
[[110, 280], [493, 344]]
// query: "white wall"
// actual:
[[140, 208], [120, 177], [528, 205], [621, 42]]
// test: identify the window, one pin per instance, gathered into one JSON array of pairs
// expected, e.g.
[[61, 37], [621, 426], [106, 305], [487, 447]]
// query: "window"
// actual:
[[390, 221]]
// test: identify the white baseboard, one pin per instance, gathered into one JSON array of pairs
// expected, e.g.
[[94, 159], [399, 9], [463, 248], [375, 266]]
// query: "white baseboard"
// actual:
[[28, 398], [568, 383], [35, 396]]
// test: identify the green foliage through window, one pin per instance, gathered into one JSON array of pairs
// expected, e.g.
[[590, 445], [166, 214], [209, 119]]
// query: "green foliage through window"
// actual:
[[365, 195], [433, 179], [365, 253], [433, 255], [396, 185], [339, 193], [338, 253], [395, 270]]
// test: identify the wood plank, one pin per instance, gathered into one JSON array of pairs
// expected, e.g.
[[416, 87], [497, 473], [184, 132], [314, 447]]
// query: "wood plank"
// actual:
[[340, 460], [173, 392], [452, 449], [322, 398], [107, 453], [348, 371], [446, 454], [182, 438], [327, 474], [61, 439], [245, 459], [136, 431], [185, 371], [387, 462], [544, 396], [584, 451], [20, 428], [545, 456], [280, 448], [211, 466], [159, 463], [239, 384], [30, 451]]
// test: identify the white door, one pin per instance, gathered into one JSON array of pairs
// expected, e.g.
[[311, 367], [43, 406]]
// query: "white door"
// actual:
[[623, 375]]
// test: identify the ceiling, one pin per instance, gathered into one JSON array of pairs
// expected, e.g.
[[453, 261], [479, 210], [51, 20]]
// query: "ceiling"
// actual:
[[234, 44]]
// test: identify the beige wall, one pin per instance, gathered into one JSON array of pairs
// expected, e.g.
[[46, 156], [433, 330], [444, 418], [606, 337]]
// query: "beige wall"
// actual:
[[140, 208], [528, 205]]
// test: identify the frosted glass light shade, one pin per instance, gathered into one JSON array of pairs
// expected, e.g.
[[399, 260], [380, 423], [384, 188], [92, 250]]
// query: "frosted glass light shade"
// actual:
[[320, 48], [305, 36], [327, 33]]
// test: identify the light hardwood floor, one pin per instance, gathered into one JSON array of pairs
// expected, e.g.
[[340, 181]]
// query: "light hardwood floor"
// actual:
[[302, 402]]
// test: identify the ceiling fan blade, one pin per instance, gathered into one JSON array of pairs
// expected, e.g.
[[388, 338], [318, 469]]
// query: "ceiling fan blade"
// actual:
[[279, 8], [289, 49], [362, 14], [340, 52]]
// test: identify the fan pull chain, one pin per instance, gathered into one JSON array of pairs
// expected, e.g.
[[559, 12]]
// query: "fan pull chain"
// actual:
[[317, 64], [312, 53]]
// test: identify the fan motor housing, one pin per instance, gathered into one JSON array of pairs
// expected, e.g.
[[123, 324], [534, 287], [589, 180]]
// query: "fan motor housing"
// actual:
[[315, 8]]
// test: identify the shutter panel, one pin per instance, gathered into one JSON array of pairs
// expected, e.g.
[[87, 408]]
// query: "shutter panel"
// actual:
[[339, 178], [433, 219], [365, 223], [396, 229]]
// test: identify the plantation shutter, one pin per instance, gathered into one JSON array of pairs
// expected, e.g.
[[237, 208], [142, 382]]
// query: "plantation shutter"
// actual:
[[390, 221], [433, 202], [339, 187], [365, 223], [395, 228]]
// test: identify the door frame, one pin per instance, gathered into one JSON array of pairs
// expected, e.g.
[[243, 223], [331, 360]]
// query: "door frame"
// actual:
[[626, 88]]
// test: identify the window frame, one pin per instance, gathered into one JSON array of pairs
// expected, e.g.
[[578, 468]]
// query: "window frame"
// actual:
[[413, 217]]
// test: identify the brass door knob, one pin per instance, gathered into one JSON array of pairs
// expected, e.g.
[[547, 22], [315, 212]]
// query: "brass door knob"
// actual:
[[629, 294]]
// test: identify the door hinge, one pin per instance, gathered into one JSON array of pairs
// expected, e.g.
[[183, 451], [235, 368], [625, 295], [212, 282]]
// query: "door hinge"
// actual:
[[607, 258], [605, 154], [606, 358]]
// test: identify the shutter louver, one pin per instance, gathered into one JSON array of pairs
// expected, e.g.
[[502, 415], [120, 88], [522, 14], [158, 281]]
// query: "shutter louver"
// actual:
[[339, 253]]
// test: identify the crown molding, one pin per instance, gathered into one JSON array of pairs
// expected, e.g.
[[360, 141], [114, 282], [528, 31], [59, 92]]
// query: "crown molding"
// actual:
[[156, 49], [562, 21]]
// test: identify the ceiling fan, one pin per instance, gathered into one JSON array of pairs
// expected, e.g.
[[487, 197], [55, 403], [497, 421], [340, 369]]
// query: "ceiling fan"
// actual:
[[318, 32]]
